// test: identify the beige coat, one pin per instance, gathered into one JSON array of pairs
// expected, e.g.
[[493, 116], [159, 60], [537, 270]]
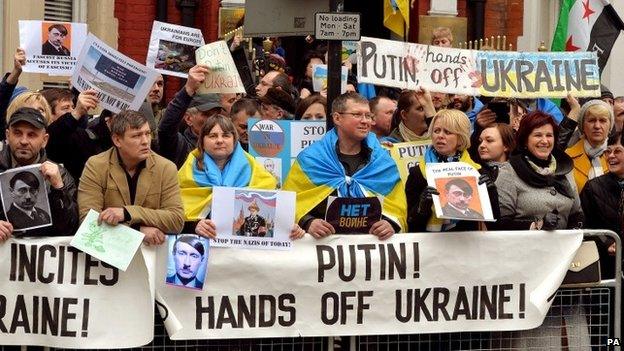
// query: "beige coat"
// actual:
[[157, 202]]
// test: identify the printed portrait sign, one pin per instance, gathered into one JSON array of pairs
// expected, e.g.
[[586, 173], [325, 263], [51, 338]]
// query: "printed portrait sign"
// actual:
[[115, 245], [188, 261], [471, 72], [223, 76], [353, 215], [51, 47], [121, 82], [25, 198], [319, 78], [460, 195], [276, 144], [172, 48], [249, 218]]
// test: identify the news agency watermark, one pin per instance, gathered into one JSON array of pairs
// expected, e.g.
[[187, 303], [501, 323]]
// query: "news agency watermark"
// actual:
[[614, 342]]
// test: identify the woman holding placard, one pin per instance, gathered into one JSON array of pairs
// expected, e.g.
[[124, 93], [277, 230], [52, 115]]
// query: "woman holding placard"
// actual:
[[450, 139], [535, 188], [219, 160]]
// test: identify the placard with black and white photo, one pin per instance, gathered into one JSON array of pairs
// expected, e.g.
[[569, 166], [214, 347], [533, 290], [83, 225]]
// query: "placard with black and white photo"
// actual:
[[25, 198]]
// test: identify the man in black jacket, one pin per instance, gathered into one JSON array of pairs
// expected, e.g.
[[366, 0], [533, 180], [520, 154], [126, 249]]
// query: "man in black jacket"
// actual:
[[191, 107], [26, 140]]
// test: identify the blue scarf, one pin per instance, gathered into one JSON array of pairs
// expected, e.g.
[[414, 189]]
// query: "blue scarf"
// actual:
[[236, 172], [320, 163]]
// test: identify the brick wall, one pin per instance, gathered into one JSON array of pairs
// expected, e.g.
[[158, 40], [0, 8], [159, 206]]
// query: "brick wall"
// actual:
[[502, 17], [135, 25]]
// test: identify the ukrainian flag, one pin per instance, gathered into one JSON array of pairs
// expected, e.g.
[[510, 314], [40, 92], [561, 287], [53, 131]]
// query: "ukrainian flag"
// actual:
[[242, 171], [396, 16], [317, 172]]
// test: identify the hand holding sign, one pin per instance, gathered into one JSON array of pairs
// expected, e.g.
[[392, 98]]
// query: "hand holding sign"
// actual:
[[196, 77], [6, 229], [19, 60]]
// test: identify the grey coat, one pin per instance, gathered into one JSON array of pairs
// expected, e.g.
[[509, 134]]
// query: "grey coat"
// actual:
[[521, 203]]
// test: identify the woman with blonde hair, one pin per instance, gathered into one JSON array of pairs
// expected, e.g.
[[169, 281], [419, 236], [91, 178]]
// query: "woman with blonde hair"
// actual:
[[30, 99], [450, 139], [595, 122]]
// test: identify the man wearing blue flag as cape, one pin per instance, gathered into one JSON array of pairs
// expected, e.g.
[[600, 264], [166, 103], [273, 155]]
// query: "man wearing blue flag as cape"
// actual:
[[347, 162]]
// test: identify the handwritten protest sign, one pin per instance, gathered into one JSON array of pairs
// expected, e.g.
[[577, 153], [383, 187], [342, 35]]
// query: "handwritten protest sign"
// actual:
[[51, 47], [115, 245], [407, 155], [52, 294], [358, 285], [276, 144], [223, 76], [353, 215], [172, 48], [319, 78], [121, 82], [470, 72], [249, 218], [460, 195]]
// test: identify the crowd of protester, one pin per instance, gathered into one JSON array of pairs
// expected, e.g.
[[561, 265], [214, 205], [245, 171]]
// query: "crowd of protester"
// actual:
[[546, 167]]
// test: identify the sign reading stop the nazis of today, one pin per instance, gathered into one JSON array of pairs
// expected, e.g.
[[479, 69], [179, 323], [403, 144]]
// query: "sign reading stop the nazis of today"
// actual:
[[337, 26]]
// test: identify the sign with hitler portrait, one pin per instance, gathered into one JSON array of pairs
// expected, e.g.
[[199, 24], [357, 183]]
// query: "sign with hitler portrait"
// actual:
[[51, 47]]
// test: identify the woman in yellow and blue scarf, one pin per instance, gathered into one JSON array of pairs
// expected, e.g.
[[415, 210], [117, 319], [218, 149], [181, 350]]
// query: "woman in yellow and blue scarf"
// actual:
[[219, 160]]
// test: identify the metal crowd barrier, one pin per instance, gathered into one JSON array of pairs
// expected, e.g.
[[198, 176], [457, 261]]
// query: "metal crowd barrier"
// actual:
[[579, 319]]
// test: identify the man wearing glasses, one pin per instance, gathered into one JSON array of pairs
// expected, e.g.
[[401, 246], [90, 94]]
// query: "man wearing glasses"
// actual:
[[348, 162]]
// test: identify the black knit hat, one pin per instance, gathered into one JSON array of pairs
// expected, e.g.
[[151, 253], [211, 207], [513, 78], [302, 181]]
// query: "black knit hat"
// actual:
[[280, 98]]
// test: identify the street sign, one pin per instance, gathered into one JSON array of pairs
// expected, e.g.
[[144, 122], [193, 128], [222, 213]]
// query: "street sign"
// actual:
[[337, 26]]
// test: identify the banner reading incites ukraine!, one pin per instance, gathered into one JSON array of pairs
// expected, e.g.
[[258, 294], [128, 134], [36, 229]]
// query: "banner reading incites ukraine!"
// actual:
[[472, 72]]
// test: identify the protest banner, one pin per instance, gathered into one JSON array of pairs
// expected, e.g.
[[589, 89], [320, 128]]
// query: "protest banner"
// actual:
[[358, 285], [461, 197], [52, 294], [172, 48], [249, 218], [319, 78], [276, 144], [471, 72], [121, 83], [51, 47], [407, 155], [115, 245], [223, 76], [353, 215]]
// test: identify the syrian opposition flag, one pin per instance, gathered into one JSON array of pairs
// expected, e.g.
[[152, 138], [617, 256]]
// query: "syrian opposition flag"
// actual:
[[587, 25]]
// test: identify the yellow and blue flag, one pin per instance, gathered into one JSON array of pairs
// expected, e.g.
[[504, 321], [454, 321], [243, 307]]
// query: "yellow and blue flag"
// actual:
[[396, 16], [317, 172], [241, 171]]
